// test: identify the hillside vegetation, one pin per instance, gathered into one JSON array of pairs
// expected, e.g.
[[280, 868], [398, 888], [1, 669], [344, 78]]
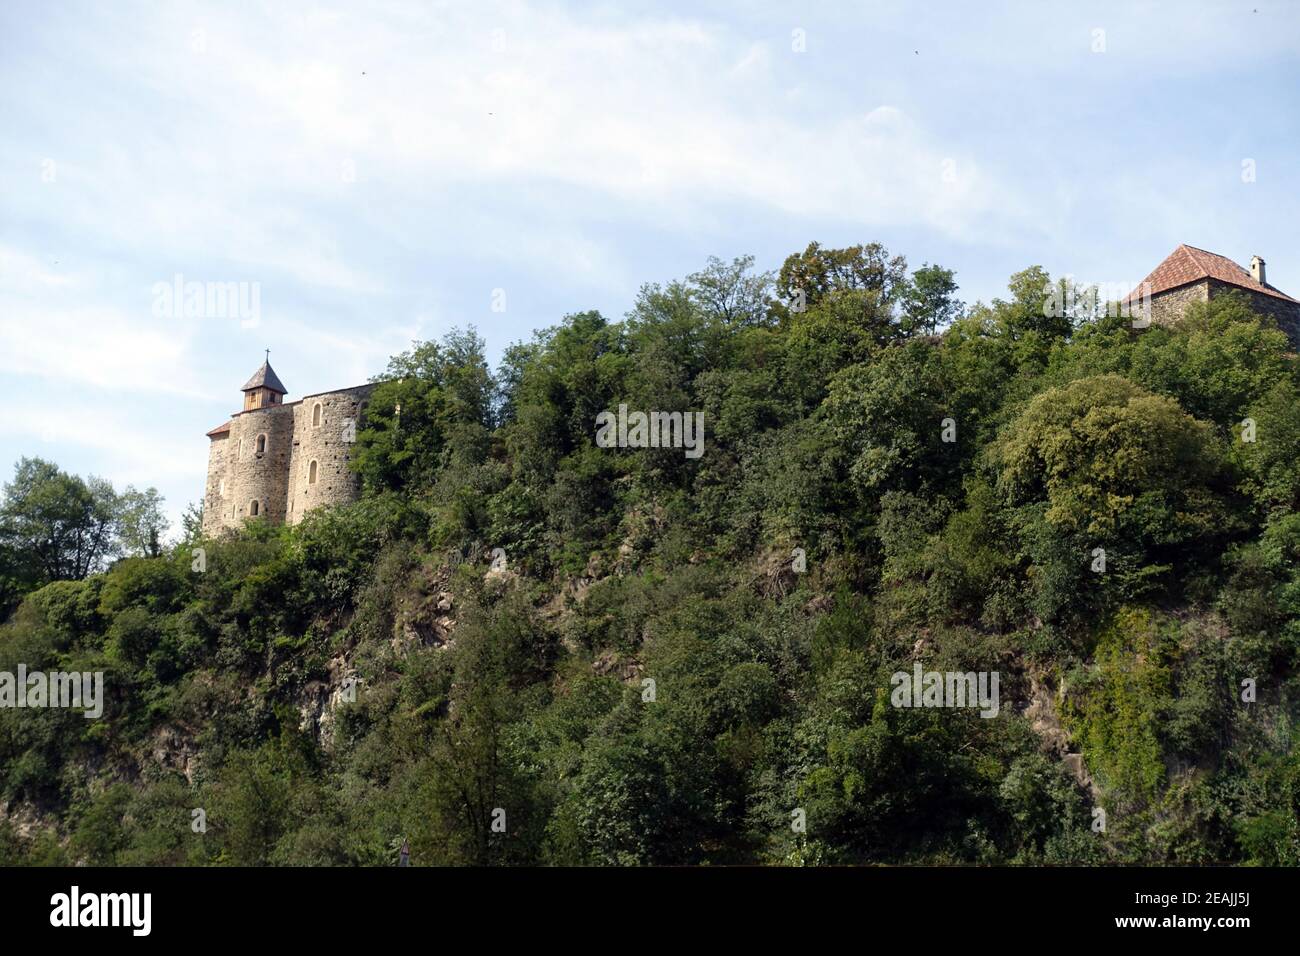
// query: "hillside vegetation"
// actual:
[[678, 660]]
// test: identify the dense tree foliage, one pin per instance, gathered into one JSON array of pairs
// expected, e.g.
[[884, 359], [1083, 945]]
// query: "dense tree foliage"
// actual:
[[521, 647], [55, 526]]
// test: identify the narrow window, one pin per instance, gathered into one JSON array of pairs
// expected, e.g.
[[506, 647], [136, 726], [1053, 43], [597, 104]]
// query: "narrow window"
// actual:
[[315, 416], [221, 488], [311, 473], [261, 444], [254, 509]]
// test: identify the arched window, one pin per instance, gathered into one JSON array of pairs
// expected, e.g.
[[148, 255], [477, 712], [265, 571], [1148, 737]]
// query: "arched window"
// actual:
[[261, 444], [254, 508], [311, 473], [315, 415]]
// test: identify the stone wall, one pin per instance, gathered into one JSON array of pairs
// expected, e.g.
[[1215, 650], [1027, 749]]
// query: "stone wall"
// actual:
[[260, 476], [1285, 314], [329, 445], [215, 506], [279, 478], [1168, 307]]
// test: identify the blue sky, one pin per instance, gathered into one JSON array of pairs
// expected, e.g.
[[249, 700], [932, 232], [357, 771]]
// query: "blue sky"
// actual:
[[377, 172]]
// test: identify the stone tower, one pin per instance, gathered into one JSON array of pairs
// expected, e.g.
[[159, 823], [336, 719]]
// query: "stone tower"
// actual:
[[275, 461]]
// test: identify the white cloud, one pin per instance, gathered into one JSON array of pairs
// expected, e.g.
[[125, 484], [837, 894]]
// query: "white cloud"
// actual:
[[121, 443], [351, 356], [379, 169], [670, 114], [50, 328], [23, 274], [96, 346]]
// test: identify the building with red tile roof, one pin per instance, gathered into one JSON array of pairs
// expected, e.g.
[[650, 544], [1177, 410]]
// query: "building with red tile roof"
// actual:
[[1189, 274]]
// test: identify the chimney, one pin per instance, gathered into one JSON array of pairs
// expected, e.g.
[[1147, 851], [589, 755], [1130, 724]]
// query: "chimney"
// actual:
[[1257, 270]]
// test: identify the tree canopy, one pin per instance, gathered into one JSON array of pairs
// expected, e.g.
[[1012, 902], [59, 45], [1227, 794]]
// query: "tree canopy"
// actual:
[[523, 647]]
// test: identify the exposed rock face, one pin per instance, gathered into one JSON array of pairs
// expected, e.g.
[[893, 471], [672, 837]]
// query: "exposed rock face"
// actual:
[[25, 820], [628, 670], [500, 576], [1041, 714], [641, 527], [1074, 763], [777, 576], [424, 617], [423, 622], [819, 604], [314, 709], [320, 700], [1044, 721], [172, 749]]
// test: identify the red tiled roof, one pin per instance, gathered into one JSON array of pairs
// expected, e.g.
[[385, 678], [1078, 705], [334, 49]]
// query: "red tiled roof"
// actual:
[[220, 430], [1189, 264]]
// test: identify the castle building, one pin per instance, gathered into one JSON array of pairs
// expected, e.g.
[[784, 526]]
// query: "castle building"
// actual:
[[275, 461], [1192, 275]]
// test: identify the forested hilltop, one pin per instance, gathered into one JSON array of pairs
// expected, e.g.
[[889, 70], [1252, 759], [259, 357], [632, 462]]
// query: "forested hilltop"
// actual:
[[687, 660]]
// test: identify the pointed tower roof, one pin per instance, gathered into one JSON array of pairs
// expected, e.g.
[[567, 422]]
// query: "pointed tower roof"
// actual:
[[1189, 264], [265, 377]]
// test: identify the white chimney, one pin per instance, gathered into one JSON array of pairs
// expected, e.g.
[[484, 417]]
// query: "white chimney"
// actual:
[[1257, 269]]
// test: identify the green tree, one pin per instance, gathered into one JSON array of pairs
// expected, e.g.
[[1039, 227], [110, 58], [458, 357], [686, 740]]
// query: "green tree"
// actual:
[[435, 403], [930, 301], [1104, 453], [816, 273], [890, 416], [141, 522], [732, 292], [192, 522], [1111, 488], [58, 525]]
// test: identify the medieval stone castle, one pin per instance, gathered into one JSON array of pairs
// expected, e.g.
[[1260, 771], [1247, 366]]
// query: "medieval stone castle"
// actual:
[[276, 461]]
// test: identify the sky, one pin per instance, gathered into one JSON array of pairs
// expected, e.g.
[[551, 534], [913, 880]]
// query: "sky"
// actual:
[[360, 176]]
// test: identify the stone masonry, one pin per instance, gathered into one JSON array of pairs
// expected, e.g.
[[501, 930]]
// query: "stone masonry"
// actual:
[[275, 462], [1168, 307], [1190, 275]]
